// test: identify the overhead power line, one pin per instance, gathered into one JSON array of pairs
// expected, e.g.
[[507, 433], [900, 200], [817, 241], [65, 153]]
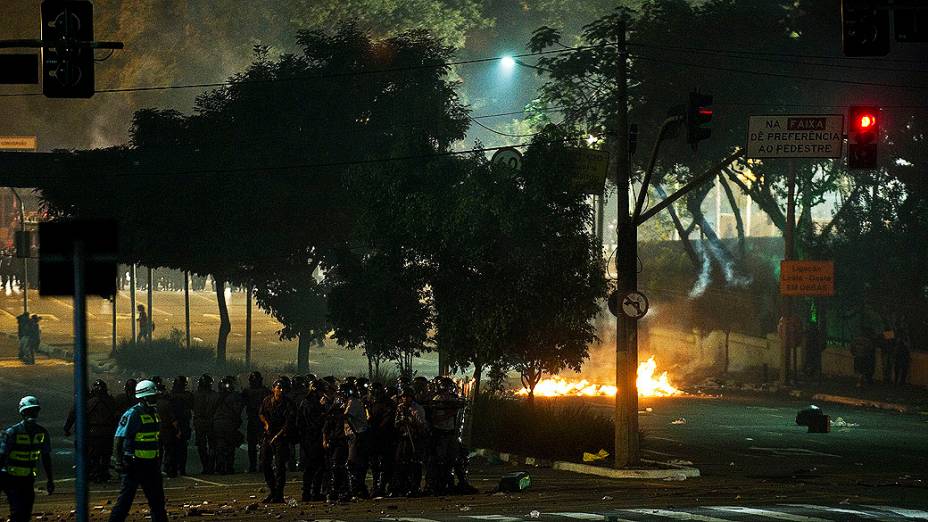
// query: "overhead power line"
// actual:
[[347, 74], [860, 60], [778, 75]]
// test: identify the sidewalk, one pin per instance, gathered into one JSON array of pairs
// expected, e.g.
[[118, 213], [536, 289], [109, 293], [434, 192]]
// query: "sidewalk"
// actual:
[[903, 399]]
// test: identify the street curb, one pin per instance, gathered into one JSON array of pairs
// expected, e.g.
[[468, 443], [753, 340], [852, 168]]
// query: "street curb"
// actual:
[[673, 471], [853, 401]]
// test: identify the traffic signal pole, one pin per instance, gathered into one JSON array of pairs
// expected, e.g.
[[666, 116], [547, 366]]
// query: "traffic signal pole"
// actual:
[[626, 339], [788, 330]]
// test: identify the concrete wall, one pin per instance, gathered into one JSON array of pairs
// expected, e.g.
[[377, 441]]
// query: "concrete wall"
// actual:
[[698, 352]]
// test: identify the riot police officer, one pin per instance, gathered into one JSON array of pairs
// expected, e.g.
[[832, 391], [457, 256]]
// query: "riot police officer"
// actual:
[[205, 401], [382, 411], [21, 445], [137, 452], [226, 422], [335, 444], [412, 430], [182, 409], [101, 424], [277, 416], [253, 396], [309, 422]]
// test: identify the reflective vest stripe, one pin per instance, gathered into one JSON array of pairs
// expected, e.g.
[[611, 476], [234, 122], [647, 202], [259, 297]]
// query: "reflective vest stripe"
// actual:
[[24, 454], [146, 444]]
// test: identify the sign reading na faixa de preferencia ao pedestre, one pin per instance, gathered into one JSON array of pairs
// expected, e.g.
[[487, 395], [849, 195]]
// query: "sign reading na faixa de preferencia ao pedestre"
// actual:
[[795, 136]]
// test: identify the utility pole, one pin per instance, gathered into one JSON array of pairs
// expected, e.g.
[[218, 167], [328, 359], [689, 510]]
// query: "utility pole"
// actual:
[[25, 256], [151, 312], [132, 286], [626, 340], [187, 305], [788, 334], [248, 326], [115, 295]]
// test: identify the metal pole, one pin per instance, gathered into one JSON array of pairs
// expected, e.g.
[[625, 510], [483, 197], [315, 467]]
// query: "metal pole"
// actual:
[[80, 384], [187, 305], [22, 227], [151, 284], [132, 287], [626, 356], [788, 243], [115, 296], [248, 326]]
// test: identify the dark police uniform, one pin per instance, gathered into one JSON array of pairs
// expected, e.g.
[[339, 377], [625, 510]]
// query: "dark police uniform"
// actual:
[[140, 427], [21, 445], [275, 448], [253, 397]]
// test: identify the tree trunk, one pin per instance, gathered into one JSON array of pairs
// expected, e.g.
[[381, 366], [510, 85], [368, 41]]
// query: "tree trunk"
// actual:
[[225, 326], [302, 354], [478, 373], [736, 211], [684, 234]]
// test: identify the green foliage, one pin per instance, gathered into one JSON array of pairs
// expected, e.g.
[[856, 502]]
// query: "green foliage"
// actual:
[[546, 429], [169, 356]]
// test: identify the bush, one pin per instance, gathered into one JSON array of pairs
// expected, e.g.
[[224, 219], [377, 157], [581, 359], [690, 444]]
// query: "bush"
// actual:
[[169, 356], [552, 429]]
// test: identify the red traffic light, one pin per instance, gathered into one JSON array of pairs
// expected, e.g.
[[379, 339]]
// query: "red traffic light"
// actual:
[[866, 121]]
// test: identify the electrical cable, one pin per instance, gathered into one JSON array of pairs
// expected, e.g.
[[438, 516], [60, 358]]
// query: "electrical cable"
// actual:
[[779, 75], [319, 76], [777, 54]]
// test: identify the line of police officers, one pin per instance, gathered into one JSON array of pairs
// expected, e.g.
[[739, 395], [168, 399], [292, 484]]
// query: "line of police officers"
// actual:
[[343, 429]]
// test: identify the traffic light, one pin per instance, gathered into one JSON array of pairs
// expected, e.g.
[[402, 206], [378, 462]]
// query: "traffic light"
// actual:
[[67, 58], [698, 114], [865, 28], [863, 136]]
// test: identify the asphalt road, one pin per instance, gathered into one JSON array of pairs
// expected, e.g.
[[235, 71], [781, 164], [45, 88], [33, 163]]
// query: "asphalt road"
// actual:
[[750, 452]]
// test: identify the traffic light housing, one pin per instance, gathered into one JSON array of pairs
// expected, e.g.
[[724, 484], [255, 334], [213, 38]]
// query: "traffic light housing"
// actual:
[[865, 28], [863, 136], [698, 116], [67, 57]]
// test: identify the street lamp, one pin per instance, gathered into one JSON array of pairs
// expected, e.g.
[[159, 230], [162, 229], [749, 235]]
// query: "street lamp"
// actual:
[[508, 63], [25, 258]]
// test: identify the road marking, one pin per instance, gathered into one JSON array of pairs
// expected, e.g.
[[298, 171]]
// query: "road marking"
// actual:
[[907, 513], [792, 452], [160, 311], [676, 515], [53, 317], [581, 516], [409, 519], [662, 438], [205, 481], [835, 510], [501, 518], [8, 313], [767, 514], [212, 316]]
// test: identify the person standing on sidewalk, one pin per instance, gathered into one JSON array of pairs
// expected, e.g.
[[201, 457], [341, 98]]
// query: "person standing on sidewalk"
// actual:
[[903, 359], [888, 354], [864, 353], [137, 452], [21, 445]]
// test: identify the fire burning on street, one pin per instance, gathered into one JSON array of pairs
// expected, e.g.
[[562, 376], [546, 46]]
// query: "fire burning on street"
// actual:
[[648, 385]]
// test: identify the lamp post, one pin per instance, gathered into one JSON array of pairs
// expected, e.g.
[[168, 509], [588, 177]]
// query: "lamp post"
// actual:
[[25, 258]]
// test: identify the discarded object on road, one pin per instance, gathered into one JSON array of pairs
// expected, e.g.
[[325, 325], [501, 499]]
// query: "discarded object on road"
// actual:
[[814, 419], [841, 423], [595, 457], [681, 420], [515, 482]]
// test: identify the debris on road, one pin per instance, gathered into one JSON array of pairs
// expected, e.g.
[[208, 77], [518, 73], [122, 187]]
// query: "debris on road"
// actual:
[[681, 420], [594, 457], [534, 514], [841, 423], [607, 497]]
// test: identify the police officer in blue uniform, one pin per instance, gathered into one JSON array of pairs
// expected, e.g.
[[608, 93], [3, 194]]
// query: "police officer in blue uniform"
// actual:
[[21, 445], [137, 452]]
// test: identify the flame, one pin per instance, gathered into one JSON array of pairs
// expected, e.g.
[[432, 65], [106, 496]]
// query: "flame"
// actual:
[[648, 386]]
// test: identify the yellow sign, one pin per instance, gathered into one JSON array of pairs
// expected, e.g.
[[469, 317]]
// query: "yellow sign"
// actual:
[[587, 169], [19, 143], [807, 278]]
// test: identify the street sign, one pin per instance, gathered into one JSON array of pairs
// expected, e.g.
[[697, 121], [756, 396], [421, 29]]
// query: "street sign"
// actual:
[[19, 143], [587, 169], [795, 136], [508, 157], [19, 69], [635, 305], [807, 278], [99, 246]]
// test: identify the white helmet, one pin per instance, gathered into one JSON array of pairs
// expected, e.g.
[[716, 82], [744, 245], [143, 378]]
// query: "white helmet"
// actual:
[[28, 402], [144, 389]]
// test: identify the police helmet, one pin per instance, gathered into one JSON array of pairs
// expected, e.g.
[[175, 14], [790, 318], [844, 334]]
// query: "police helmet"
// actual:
[[145, 389], [130, 386], [255, 379], [205, 382], [28, 403], [283, 382], [98, 387], [179, 383], [346, 389]]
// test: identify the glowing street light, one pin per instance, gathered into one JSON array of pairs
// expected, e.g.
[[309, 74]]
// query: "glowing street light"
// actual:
[[508, 63]]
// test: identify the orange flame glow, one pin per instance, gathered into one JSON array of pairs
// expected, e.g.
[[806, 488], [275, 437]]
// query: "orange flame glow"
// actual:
[[648, 386]]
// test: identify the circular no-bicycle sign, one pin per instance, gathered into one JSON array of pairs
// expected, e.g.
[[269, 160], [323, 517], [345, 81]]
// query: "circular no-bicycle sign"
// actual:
[[635, 305], [509, 157]]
